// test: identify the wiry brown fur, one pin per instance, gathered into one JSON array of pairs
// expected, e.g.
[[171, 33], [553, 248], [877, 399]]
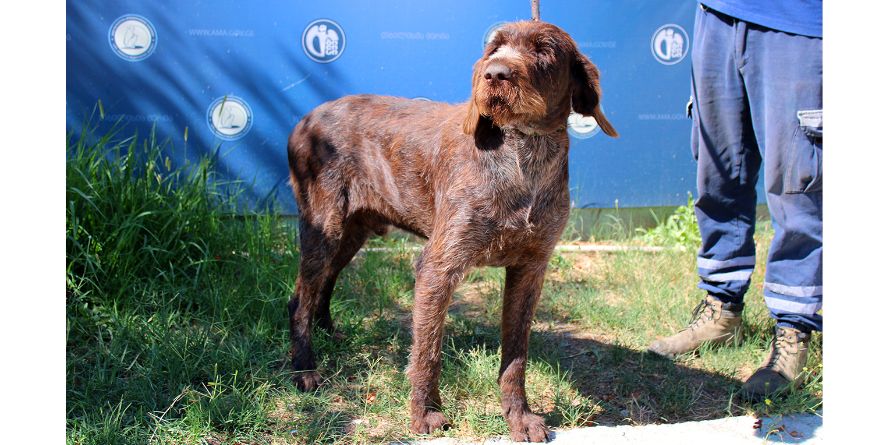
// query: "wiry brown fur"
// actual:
[[486, 182]]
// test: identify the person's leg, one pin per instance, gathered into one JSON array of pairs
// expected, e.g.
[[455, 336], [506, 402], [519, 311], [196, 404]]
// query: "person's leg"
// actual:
[[723, 142], [784, 77], [783, 74], [728, 162]]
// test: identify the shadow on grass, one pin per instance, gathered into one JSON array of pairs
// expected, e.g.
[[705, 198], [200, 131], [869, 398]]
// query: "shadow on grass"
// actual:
[[631, 387]]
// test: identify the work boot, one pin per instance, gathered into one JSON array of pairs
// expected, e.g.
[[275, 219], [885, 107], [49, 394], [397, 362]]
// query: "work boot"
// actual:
[[787, 357], [712, 322]]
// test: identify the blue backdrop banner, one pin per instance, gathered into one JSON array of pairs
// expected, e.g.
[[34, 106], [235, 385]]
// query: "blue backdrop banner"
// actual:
[[237, 76]]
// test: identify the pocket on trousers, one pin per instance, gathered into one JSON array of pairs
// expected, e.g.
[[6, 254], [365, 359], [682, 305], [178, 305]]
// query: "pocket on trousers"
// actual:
[[804, 170]]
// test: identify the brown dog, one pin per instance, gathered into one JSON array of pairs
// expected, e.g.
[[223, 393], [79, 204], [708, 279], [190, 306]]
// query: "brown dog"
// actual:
[[484, 181]]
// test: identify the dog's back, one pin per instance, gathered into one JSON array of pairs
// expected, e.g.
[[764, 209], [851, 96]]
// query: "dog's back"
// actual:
[[369, 153]]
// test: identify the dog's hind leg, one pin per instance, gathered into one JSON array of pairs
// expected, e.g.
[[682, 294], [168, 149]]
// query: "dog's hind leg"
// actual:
[[356, 233], [522, 290], [315, 266]]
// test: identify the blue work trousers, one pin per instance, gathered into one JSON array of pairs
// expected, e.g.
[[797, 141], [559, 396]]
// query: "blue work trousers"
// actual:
[[756, 96]]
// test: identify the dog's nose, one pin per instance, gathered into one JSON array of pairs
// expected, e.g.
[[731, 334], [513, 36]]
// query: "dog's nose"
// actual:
[[498, 71]]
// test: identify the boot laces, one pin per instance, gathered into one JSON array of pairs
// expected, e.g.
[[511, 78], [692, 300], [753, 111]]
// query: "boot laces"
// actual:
[[704, 311], [780, 350]]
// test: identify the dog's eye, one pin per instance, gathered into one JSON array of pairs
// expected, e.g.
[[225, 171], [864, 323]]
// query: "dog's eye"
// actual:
[[545, 47], [544, 55]]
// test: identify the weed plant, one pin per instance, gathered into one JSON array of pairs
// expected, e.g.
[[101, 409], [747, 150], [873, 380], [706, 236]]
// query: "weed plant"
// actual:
[[679, 230]]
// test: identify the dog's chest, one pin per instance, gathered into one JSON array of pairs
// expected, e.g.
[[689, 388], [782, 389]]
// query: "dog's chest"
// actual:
[[525, 172], [529, 195]]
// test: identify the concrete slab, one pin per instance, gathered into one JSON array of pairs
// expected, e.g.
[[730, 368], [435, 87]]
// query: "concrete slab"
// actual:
[[803, 429]]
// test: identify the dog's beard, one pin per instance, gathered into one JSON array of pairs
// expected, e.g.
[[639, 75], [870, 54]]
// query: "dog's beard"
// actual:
[[509, 104], [499, 108]]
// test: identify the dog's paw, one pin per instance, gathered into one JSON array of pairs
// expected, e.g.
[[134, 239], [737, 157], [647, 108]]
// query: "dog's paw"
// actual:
[[307, 380], [528, 427], [429, 422]]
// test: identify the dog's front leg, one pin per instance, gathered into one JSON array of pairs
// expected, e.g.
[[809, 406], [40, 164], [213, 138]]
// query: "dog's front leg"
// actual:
[[522, 290], [435, 280]]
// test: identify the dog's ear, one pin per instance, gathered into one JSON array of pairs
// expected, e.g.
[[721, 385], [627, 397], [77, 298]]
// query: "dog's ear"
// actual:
[[472, 119], [586, 92], [487, 135]]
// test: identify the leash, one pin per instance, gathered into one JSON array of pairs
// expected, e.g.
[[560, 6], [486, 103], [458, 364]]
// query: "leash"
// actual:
[[536, 14]]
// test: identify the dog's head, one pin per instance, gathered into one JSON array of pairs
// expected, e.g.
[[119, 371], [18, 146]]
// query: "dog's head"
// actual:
[[530, 76]]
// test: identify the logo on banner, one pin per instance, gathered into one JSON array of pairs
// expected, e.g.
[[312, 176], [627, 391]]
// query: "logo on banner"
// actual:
[[323, 41], [229, 117], [132, 37], [491, 31], [670, 44], [581, 127]]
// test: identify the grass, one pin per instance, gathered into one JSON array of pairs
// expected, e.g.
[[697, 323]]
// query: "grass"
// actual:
[[177, 332]]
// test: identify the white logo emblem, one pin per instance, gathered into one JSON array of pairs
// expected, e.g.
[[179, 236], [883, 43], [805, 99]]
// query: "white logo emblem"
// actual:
[[229, 117], [132, 37], [581, 127], [670, 44], [323, 41], [491, 31]]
